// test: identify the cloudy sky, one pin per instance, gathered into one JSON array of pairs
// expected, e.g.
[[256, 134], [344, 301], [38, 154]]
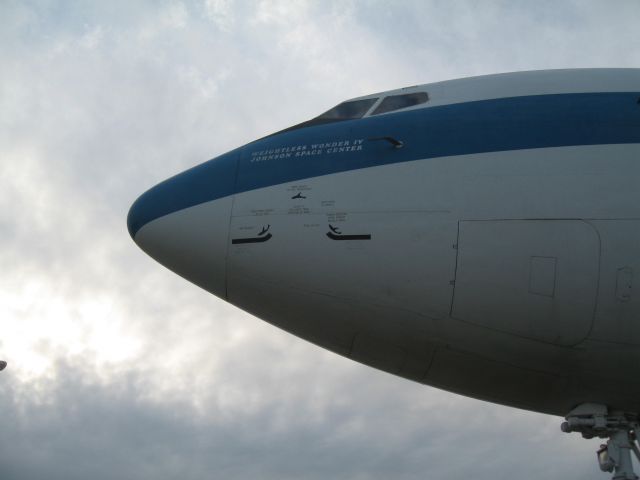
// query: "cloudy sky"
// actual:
[[120, 369]]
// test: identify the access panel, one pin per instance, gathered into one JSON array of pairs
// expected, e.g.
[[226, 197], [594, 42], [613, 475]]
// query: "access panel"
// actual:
[[533, 278]]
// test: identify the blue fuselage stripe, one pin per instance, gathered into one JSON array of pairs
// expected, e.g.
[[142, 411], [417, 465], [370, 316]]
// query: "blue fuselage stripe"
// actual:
[[516, 123], [475, 127]]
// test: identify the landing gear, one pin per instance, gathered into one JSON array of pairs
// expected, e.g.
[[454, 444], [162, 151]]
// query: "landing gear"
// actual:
[[593, 420]]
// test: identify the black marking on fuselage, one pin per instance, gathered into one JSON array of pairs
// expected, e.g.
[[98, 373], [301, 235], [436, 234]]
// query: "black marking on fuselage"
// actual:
[[298, 196], [237, 241], [335, 229], [393, 141], [264, 230], [333, 236], [259, 239]]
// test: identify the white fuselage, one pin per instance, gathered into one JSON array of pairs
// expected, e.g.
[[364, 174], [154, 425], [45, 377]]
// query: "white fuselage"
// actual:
[[494, 253]]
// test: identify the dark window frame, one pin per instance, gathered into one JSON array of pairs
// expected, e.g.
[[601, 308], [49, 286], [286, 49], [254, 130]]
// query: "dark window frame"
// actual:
[[349, 110], [401, 101], [336, 114]]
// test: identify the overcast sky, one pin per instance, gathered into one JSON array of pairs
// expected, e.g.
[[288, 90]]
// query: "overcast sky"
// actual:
[[120, 369]]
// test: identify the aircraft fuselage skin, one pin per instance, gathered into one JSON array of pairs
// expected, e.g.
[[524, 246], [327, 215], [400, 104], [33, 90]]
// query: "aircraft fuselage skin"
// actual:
[[486, 242]]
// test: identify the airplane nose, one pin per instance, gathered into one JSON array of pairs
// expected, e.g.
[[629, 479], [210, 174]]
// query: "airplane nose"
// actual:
[[183, 222]]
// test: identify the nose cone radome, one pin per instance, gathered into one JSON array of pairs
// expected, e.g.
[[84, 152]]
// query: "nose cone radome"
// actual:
[[183, 222]]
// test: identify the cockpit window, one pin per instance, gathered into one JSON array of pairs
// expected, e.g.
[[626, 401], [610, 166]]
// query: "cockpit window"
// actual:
[[396, 102], [348, 110]]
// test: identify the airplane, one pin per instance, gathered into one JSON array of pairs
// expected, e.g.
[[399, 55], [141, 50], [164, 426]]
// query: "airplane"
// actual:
[[479, 235]]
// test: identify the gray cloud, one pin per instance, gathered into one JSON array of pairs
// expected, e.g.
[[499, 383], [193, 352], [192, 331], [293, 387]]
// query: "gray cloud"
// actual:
[[119, 369], [347, 427]]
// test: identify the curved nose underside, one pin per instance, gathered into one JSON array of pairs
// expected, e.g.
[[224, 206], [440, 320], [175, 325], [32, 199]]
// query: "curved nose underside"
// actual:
[[183, 223]]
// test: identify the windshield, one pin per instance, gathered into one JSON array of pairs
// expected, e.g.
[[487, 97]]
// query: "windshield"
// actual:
[[396, 102], [348, 110]]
